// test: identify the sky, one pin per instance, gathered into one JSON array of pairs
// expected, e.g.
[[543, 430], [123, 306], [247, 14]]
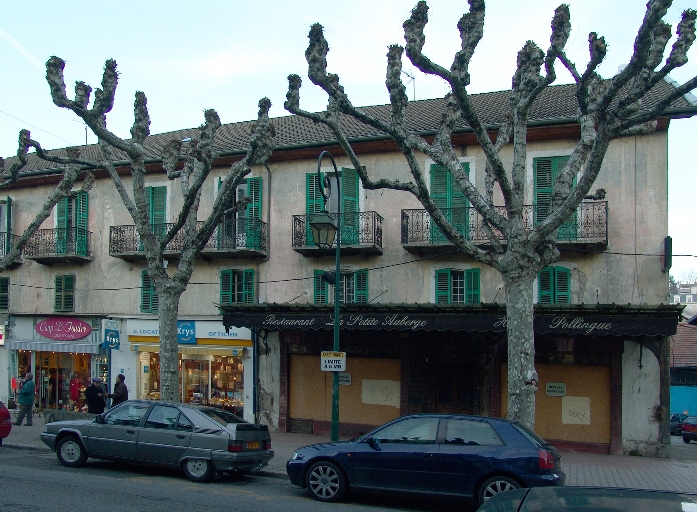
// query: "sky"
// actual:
[[227, 54]]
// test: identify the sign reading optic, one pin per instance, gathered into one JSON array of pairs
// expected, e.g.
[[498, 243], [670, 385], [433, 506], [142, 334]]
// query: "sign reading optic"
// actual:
[[64, 329]]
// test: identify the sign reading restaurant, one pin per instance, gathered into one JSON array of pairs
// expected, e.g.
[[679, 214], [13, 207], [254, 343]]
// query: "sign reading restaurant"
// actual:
[[562, 324]]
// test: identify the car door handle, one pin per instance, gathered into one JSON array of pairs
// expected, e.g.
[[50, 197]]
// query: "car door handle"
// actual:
[[180, 436], [130, 431]]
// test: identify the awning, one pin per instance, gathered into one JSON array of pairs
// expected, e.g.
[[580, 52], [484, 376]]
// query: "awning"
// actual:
[[192, 349], [567, 319], [74, 347]]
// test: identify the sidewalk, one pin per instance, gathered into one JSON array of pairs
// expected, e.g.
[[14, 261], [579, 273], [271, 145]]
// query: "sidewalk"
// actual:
[[675, 474]]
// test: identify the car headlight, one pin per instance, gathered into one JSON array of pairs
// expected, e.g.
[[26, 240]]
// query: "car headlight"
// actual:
[[297, 456]]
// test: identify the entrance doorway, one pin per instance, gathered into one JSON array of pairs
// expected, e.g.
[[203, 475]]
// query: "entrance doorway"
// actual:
[[196, 378], [454, 389]]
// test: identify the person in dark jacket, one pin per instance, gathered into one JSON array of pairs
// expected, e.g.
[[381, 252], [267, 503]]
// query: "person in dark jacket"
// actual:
[[120, 393], [95, 397], [26, 400]]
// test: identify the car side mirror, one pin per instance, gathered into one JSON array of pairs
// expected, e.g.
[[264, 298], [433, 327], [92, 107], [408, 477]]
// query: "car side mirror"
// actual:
[[99, 419], [374, 442]]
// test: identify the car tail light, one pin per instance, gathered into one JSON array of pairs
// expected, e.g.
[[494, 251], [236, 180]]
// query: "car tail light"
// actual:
[[234, 446], [267, 445], [545, 459]]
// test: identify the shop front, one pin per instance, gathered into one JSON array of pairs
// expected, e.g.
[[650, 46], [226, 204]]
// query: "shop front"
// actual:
[[600, 367], [63, 353], [212, 362]]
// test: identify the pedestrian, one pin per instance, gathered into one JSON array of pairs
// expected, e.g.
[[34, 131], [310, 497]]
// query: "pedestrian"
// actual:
[[26, 400], [95, 397], [120, 393]]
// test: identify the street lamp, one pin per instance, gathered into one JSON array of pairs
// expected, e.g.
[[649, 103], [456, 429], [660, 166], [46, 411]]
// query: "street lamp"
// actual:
[[324, 232]]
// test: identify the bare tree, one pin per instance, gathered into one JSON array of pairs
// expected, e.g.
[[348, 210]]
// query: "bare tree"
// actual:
[[64, 189], [197, 164], [689, 277], [608, 109]]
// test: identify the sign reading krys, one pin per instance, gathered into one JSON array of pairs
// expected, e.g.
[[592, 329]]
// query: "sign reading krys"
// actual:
[[589, 325]]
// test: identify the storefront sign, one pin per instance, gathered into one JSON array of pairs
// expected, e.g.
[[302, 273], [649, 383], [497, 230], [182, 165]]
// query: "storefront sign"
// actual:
[[65, 329], [214, 329], [344, 379], [2, 335], [555, 389], [186, 332], [627, 325], [333, 361], [111, 339]]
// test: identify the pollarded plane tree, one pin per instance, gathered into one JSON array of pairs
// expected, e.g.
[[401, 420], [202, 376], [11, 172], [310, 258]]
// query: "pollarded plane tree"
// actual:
[[190, 169], [607, 109], [64, 189]]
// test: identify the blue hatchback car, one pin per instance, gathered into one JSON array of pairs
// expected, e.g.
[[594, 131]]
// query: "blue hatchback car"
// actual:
[[445, 456]]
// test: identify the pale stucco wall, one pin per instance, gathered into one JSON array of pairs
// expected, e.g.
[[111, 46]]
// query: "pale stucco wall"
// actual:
[[640, 398]]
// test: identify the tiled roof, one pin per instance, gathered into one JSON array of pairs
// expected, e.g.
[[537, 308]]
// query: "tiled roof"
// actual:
[[683, 347], [555, 105]]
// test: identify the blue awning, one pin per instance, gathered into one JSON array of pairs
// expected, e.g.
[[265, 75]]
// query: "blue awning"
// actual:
[[75, 347]]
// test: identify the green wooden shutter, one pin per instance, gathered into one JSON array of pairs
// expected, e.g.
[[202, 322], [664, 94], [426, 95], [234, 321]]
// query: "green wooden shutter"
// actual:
[[562, 285], [320, 288], [157, 198], [443, 286], [254, 213], [472, 286], [546, 171], [248, 286], [4, 293], [149, 300], [64, 293], [8, 225], [314, 203], [349, 207], [81, 224], [362, 286], [439, 194], [226, 278], [62, 225], [459, 204], [545, 285]]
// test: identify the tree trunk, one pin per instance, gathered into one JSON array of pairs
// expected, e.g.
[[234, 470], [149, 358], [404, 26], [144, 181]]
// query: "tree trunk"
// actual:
[[522, 377], [169, 347]]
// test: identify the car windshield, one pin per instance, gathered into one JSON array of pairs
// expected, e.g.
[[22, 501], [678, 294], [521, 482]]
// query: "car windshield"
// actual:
[[222, 417], [534, 438]]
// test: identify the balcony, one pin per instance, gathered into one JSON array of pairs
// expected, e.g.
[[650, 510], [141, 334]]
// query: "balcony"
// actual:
[[361, 234], [586, 230], [60, 245], [241, 238], [7, 242]]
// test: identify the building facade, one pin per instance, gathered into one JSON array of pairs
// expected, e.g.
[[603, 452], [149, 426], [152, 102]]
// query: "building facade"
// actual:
[[423, 326]]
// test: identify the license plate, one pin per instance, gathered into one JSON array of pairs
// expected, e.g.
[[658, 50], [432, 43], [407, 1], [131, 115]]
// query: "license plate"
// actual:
[[253, 445]]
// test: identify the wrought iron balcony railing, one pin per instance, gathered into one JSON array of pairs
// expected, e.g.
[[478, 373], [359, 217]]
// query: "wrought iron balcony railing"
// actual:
[[588, 225], [361, 233], [241, 235], [47, 245], [7, 242]]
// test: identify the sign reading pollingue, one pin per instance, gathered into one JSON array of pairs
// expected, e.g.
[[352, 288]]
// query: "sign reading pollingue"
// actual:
[[586, 324], [63, 329]]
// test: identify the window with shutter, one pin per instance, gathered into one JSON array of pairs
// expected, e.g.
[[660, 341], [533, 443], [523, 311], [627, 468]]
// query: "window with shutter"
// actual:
[[546, 170], [81, 224], [314, 203], [457, 286], [320, 288], [6, 226], [362, 286], [64, 298], [4, 293], [449, 197], [554, 285], [253, 213], [353, 288], [157, 207], [149, 300], [237, 286]]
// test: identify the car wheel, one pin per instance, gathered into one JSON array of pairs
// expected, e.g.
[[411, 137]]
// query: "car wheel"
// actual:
[[495, 485], [326, 481], [685, 439], [70, 452], [198, 470]]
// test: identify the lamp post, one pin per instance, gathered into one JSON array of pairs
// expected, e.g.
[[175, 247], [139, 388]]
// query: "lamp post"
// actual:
[[324, 231]]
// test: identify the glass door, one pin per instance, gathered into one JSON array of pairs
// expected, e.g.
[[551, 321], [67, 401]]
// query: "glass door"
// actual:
[[195, 379]]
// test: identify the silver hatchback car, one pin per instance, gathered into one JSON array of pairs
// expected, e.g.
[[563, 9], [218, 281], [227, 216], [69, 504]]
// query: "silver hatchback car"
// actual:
[[200, 440]]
